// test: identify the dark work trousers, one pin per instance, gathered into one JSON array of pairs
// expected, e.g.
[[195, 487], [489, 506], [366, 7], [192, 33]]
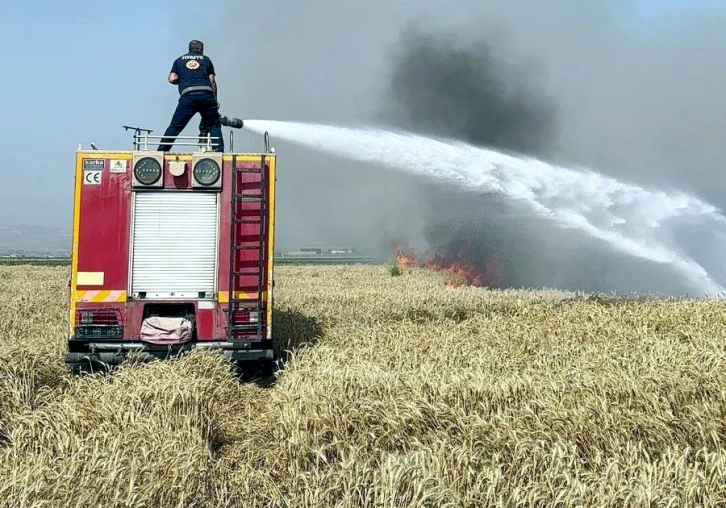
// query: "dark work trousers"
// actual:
[[189, 104]]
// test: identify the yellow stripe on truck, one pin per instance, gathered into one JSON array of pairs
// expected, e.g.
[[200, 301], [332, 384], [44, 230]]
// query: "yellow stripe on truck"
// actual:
[[271, 240], [74, 245], [223, 296], [101, 296]]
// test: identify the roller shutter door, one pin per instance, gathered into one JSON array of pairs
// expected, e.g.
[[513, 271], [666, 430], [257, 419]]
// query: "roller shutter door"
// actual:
[[174, 244]]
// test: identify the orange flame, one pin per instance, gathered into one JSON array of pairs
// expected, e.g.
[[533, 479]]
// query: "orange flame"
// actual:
[[464, 266], [406, 259]]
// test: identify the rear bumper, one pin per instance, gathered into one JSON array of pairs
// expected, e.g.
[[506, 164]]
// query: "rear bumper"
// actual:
[[114, 352]]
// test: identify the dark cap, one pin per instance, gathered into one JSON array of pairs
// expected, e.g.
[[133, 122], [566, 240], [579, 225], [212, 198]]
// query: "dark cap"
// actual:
[[196, 45]]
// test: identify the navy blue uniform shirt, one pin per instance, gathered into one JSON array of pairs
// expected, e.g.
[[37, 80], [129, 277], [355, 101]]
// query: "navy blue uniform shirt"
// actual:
[[193, 69]]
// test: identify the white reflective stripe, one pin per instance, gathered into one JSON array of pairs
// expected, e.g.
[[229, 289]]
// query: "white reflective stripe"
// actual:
[[174, 242], [196, 89]]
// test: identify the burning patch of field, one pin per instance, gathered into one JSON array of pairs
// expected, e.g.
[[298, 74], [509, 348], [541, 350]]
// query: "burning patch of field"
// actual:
[[410, 392], [466, 268]]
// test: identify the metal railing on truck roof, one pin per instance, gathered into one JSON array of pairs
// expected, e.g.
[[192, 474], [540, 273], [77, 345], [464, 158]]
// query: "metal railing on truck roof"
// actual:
[[143, 140]]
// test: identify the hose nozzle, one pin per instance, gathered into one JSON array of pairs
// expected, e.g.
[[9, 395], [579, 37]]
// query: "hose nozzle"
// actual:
[[235, 123]]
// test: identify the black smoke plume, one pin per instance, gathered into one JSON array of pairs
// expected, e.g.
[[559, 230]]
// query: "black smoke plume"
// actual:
[[441, 86]]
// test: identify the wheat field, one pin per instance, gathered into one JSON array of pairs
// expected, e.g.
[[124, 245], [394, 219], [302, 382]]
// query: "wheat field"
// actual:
[[399, 391]]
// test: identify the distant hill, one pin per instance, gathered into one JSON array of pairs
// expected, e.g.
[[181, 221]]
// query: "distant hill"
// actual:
[[34, 241]]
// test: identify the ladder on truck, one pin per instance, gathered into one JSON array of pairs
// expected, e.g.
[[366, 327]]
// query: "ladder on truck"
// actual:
[[239, 325]]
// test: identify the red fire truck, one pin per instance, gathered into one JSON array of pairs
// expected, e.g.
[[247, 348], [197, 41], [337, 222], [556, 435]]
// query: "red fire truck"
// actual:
[[171, 252]]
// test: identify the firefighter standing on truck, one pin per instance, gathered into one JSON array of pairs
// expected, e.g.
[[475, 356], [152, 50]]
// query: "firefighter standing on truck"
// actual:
[[194, 74]]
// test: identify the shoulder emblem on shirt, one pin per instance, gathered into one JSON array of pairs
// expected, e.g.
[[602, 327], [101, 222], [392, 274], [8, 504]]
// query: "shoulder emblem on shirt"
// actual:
[[192, 65]]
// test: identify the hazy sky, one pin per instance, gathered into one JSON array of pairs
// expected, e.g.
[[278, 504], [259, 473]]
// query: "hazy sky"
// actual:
[[80, 70]]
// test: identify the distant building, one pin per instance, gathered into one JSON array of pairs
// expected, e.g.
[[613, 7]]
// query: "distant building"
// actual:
[[317, 251]]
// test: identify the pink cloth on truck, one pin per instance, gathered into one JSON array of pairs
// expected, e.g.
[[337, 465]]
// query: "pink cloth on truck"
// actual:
[[166, 330]]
